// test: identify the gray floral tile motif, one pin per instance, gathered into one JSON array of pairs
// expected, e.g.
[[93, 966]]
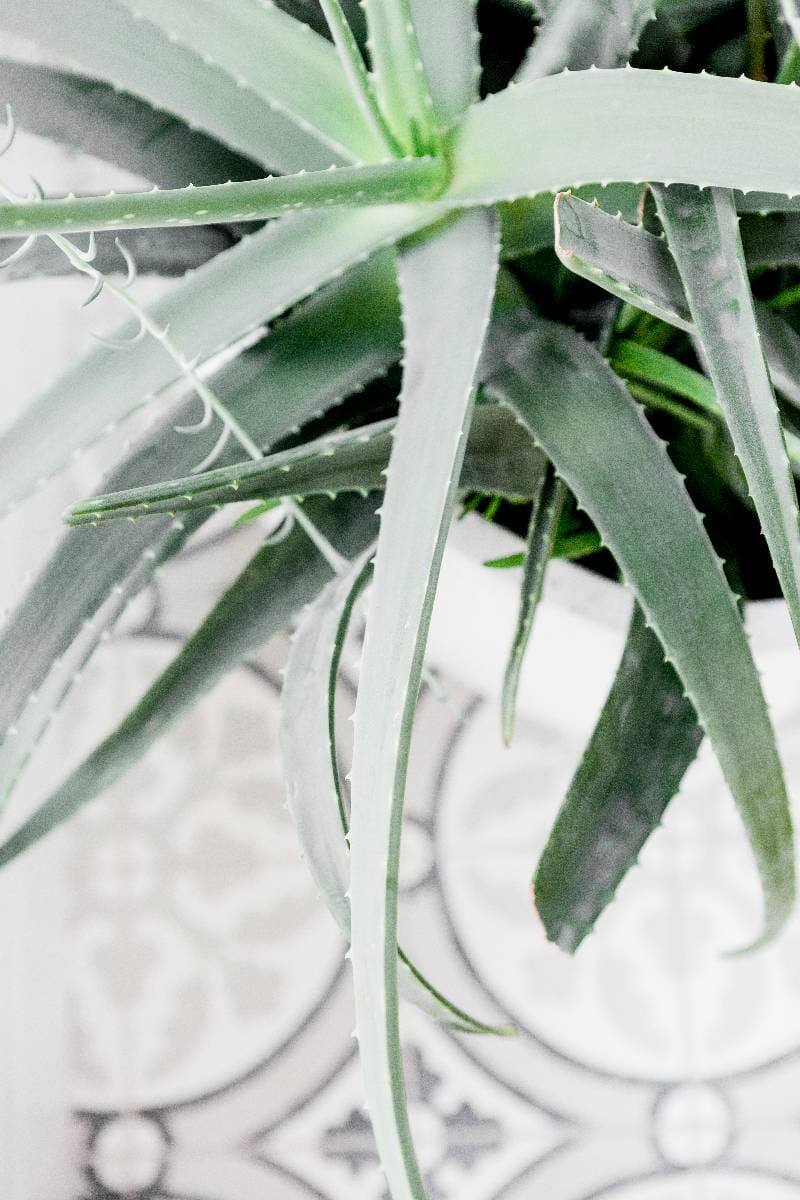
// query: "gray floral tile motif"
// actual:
[[212, 1014]]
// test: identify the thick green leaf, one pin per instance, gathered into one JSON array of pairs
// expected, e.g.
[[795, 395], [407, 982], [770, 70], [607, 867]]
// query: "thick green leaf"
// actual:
[[119, 128], [638, 267], [273, 587], [289, 66], [395, 181], [308, 741], [448, 41], [102, 39], [249, 284], [703, 233], [446, 285], [500, 459], [645, 740], [578, 34], [600, 443], [548, 500], [567, 129]]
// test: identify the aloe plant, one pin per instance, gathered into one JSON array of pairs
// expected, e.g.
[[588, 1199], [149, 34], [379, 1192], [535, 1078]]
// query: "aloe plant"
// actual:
[[549, 248]]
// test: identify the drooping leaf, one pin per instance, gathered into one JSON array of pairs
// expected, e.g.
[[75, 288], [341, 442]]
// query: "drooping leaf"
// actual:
[[578, 34], [527, 225], [249, 284], [645, 740], [548, 500], [272, 588], [599, 442], [565, 130], [102, 39], [120, 128], [500, 460], [703, 234], [308, 741], [446, 286]]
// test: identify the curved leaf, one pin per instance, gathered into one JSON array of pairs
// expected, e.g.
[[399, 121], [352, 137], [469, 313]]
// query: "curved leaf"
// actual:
[[599, 442], [446, 285], [644, 742], [308, 741]]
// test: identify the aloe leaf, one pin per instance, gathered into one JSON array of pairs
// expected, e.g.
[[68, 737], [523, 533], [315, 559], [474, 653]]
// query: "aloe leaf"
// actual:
[[567, 129], [703, 233], [578, 34], [249, 284], [527, 225], [446, 286], [644, 742], [308, 741], [272, 588], [289, 66], [448, 40], [102, 39], [271, 388], [498, 461], [548, 501], [635, 265], [120, 128], [397, 181], [601, 445], [399, 75]]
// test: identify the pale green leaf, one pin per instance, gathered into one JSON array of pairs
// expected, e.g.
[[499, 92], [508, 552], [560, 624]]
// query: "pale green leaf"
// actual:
[[568, 129], [446, 285], [308, 741], [289, 66], [600, 443], [392, 182], [703, 234], [102, 39]]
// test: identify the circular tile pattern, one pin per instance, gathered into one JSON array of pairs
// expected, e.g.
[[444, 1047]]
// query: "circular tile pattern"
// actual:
[[692, 1125], [129, 1153]]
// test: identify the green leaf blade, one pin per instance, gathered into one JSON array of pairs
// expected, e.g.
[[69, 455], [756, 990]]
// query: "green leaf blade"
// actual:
[[601, 445], [429, 445], [702, 230], [644, 742]]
